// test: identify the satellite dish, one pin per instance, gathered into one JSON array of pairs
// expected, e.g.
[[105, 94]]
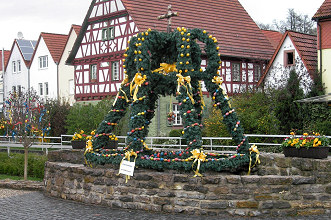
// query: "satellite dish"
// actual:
[[20, 35]]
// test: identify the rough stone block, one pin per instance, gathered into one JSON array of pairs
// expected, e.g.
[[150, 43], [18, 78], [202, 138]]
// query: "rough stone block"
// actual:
[[187, 202], [201, 189], [181, 178], [161, 201], [214, 205], [247, 204], [298, 180], [267, 205], [250, 179], [220, 190], [307, 212], [233, 179], [276, 180], [126, 198]]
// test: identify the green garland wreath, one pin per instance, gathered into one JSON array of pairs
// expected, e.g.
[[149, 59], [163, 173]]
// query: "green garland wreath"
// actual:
[[179, 55]]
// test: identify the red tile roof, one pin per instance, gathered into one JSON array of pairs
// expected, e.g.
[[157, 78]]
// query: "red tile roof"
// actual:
[[6, 56], [274, 37], [76, 28], [324, 11], [227, 20], [305, 44], [55, 44]]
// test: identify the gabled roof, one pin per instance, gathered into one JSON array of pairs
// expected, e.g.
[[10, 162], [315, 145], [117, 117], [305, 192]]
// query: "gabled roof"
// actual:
[[76, 28], [324, 11], [55, 44], [227, 20], [6, 58], [274, 37], [305, 44], [26, 49]]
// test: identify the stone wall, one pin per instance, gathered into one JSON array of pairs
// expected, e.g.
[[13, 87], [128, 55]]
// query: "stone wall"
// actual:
[[278, 187]]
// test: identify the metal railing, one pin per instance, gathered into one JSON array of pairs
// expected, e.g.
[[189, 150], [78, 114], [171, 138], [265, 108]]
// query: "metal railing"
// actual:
[[217, 144]]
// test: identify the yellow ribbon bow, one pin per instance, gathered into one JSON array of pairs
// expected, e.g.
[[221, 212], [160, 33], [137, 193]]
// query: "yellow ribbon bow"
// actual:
[[201, 96], [166, 68], [181, 82], [88, 148], [137, 81], [199, 156], [218, 80], [127, 156], [257, 161]]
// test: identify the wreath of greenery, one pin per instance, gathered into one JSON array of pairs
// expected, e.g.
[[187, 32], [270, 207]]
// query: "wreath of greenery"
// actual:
[[179, 55]]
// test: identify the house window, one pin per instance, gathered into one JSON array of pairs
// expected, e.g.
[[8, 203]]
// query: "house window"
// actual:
[[14, 67], [43, 62], [19, 89], [235, 72], [46, 88], [289, 58], [115, 71], [257, 73], [93, 72], [40, 85], [14, 89], [71, 87], [108, 33], [19, 66], [178, 118]]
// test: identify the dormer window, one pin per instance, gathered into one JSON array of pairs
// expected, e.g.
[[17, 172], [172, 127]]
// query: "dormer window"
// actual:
[[289, 58]]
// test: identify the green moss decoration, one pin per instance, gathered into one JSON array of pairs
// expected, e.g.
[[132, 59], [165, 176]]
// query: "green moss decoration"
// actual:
[[179, 55]]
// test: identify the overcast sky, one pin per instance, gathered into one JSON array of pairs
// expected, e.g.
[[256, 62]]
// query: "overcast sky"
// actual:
[[32, 17]]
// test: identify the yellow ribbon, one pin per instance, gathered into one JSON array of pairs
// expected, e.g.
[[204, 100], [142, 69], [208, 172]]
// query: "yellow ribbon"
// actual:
[[166, 68], [257, 161], [201, 96], [218, 80], [127, 156], [125, 80], [88, 148], [199, 156], [181, 82], [136, 82], [146, 147]]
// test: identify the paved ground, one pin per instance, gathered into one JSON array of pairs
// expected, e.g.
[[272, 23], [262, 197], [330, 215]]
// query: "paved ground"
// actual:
[[33, 205]]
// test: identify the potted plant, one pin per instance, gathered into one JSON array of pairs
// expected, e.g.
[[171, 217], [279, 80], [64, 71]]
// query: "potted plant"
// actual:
[[113, 142], [307, 146], [79, 139]]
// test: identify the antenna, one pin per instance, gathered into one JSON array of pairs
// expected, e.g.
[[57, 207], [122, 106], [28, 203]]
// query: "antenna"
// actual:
[[20, 35]]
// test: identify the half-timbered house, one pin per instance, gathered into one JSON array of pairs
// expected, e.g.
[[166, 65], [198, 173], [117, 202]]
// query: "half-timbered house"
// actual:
[[98, 51]]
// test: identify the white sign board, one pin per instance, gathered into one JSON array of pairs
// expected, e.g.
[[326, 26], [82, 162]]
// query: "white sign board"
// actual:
[[127, 168]]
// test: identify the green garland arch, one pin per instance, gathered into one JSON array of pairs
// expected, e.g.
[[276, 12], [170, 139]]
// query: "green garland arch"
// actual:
[[180, 55]]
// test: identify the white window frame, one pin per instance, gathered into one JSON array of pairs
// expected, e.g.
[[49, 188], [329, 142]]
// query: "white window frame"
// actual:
[[93, 72], [115, 70], [108, 33], [19, 67], [178, 118], [43, 62], [236, 73], [46, 88], [257, 73], [14, 67], [71, 87], [40, 86]]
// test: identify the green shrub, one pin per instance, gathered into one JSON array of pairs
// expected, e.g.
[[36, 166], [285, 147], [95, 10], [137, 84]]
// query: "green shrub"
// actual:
[[175, 133], [14, 165]]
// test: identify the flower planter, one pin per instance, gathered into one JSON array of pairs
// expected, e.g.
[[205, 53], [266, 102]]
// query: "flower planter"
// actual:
[[312, 152], [111, 145], [78, 144]]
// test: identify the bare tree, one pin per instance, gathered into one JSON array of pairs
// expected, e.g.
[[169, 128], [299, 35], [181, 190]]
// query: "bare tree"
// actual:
[[28, 119], [294, 22]]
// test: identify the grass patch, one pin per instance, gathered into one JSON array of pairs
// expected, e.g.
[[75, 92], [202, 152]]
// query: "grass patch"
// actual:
[[14, 165], [3, 177]]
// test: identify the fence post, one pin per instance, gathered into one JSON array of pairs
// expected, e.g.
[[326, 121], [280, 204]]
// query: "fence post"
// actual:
[[8, 151]]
